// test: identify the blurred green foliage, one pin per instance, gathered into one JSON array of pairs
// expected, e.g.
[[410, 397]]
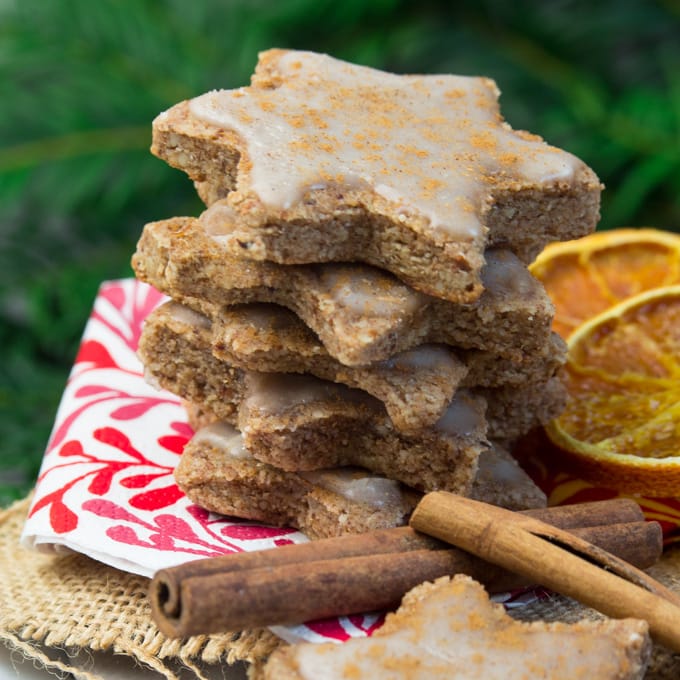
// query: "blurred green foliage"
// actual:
[[80, 82]]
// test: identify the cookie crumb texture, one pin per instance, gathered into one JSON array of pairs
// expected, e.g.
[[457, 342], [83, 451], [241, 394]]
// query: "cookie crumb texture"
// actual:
[[449, 628], [322, 160]]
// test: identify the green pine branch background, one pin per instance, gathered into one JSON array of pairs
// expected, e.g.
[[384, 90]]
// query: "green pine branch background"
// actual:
[[81, 81]]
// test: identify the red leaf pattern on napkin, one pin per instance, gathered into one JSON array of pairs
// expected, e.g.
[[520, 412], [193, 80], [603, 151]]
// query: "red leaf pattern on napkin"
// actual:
[[107, 477]]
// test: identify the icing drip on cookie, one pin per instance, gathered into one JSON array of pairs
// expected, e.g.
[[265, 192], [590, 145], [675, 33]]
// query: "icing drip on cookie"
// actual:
[[188, 316], [224, 437], [357, 485], [504, 274], [464, 417], [272, 393], [367, 292], [423, 357], [498, 466], [432, 147]]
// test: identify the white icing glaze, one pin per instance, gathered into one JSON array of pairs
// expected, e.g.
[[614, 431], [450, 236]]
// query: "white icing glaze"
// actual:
[[272, 393], [366, 291], [504, 273], [223, 436], [463, 417], [357, 485], [453, 631], [422, 358], [498, 466], [218, 221], [188, 316], [151, 379], [430, 145]]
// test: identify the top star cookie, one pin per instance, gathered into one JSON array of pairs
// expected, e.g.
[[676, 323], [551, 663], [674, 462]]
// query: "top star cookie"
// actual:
[[321, 160]]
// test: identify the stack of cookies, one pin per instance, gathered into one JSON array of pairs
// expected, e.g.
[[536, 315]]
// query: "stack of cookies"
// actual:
[[352, 320]]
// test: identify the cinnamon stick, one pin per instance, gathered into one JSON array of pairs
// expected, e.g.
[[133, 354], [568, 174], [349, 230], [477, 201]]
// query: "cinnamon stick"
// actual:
[[553, 557], [348, 575], [595, 513]]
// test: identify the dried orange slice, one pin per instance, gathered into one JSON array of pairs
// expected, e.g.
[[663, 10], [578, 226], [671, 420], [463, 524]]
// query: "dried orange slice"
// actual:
[[586, 276], [621, 425]]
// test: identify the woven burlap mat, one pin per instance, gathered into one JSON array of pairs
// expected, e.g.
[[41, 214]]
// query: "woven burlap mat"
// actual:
[[70, 602]]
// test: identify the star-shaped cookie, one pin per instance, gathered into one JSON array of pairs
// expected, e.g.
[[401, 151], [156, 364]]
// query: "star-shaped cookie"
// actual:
[[322, 160], [450, 629]]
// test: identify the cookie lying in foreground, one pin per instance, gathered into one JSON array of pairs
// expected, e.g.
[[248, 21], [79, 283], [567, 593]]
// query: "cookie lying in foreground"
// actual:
[[322, 160], [450, 629]]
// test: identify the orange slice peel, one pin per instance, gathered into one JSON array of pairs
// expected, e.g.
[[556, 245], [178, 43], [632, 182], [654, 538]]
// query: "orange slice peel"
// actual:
[[587, 276], [621, 425]]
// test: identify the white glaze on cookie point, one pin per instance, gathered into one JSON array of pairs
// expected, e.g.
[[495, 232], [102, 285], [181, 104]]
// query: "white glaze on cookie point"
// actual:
[[357, 485], [224, 437]]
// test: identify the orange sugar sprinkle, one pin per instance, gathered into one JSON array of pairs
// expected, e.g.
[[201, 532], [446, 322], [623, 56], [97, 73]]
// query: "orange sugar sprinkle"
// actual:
[[432, 134], [436, 120], [300, 145], [528, 136], [508, 158], [454, 93], [351, 671], [430, 185], [337, 178], [384, 121], [317, 119], [483, 140], [413, 150], [296, 121], [267, 105], [465, 204], [377, 650]]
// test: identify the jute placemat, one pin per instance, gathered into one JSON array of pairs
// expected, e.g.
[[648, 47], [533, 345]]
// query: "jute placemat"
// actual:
[[72, 602]]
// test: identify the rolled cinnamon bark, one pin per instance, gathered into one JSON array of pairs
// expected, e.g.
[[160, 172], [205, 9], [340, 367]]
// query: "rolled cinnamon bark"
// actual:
[[400, 539], [308, 585]]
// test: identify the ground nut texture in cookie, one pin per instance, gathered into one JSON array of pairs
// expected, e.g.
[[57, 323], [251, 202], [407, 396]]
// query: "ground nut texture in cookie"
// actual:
[[176, 351], [415, 385], [361, 314]]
